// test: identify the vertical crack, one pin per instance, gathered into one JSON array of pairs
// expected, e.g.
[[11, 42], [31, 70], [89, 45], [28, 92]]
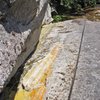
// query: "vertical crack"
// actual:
[[73, 80]]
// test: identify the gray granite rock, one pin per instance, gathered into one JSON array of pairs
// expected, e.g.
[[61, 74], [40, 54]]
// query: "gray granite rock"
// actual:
[[19, 34], [68, 34], [87, 81]]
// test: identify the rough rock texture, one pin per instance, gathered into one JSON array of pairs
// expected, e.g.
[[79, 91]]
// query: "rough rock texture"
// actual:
[[87, 81], [19, 34], [68, 34]]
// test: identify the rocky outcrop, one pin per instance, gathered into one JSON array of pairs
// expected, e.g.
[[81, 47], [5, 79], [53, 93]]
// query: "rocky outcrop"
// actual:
[[48, 74], [19, 34]]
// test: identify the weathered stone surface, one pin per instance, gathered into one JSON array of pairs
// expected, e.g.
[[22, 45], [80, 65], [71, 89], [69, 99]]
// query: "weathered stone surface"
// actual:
[[87, 81], [35, 79], [68, 35], [19, 34], [10, 90], [24, 11]]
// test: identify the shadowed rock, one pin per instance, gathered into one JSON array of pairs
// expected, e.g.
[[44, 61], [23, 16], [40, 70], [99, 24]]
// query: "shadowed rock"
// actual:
[[19, 35]]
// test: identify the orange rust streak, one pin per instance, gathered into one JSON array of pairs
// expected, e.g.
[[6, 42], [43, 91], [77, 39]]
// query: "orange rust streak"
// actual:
[[38, 94]]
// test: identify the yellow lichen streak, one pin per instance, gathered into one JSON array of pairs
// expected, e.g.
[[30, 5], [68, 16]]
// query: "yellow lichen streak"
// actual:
[[34, 81]]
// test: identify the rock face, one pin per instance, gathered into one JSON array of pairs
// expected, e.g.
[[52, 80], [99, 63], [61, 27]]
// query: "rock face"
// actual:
[[19, 34], [87, 80], [57, 56]]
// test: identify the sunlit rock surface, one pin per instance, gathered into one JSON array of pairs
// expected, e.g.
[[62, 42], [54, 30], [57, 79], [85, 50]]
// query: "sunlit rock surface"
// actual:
[[87, 80], [62, 64]]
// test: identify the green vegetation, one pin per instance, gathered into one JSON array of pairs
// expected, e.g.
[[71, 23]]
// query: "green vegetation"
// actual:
[[58, 18], [72, 7], [78, 3]]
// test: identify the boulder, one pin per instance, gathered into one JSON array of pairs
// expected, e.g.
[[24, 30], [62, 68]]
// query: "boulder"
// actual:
[[19, 34]]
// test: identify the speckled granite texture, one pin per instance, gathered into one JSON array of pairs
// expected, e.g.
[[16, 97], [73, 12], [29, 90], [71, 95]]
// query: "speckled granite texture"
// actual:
[[19, 34], [87, 81]]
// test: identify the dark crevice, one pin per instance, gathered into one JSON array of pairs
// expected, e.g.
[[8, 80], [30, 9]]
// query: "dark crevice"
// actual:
[[73, 80]]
